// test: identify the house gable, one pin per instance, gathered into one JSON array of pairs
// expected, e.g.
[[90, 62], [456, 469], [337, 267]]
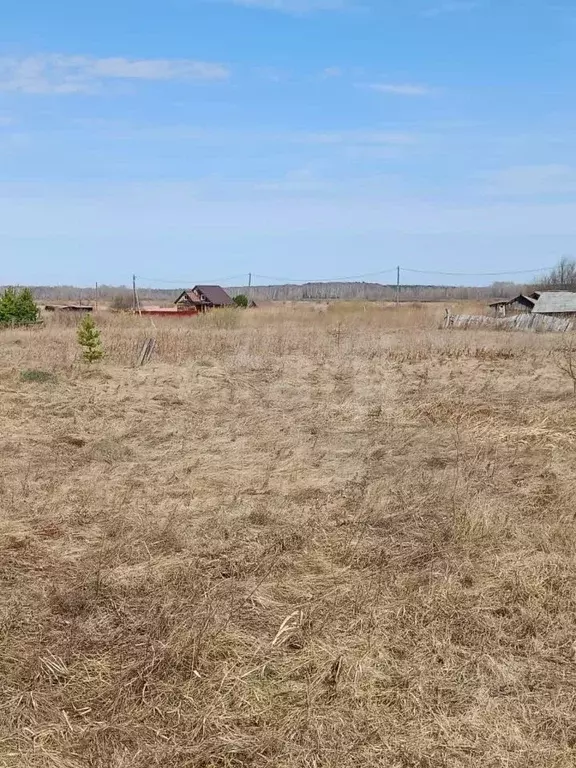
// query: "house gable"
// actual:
[[215, 295], [204, 296]]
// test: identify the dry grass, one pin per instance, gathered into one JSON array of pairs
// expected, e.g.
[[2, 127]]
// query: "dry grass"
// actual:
[[299, 537]]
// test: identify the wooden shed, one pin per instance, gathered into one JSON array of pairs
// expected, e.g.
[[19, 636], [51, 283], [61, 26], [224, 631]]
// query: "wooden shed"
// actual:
[[518, 305], [556, 303]]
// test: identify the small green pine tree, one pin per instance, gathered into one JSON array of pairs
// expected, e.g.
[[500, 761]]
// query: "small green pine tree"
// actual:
[[26, 309], [89, 340], [18, 307], [9, 307]]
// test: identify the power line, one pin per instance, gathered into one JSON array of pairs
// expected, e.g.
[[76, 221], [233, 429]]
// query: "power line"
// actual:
[[191, 282], [325, 279], [296, 281], [477, 274]]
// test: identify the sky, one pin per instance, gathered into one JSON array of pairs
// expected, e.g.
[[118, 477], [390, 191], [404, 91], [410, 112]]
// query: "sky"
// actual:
[[195, 140]]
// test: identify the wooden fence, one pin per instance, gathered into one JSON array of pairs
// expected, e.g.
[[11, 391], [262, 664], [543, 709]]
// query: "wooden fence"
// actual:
[[523, 322]]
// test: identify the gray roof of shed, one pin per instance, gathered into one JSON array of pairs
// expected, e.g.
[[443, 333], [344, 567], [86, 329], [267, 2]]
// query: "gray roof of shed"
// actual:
[[504, 302], [555, 302]]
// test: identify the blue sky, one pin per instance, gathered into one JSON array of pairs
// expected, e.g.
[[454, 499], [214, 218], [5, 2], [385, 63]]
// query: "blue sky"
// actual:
[[202, 139]]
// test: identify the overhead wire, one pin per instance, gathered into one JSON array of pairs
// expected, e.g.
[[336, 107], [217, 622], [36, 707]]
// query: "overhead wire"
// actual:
[[477, 274], [325, 279], [391, 270], [205, 281]]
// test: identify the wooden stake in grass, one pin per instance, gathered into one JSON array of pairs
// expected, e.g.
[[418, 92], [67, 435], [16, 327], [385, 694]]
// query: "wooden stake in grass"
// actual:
[[89, 340], [146, 351]]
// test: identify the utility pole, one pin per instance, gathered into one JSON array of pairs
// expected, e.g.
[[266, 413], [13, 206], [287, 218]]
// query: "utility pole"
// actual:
[[134, 294], [397, 286], [249, 288], [96, 298]]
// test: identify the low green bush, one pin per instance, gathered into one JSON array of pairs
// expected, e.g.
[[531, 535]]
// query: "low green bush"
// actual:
[[40, 377]]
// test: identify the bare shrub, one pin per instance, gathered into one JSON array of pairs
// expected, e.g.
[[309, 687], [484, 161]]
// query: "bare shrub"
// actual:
[[225, 318], [122, 302], [567, 362]]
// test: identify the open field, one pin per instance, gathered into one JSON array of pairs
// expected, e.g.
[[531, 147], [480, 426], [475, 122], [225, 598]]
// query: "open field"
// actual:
[[302, 536]]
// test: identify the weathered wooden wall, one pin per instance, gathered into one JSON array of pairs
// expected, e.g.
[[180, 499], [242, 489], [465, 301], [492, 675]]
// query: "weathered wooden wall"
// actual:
[[523, 322]]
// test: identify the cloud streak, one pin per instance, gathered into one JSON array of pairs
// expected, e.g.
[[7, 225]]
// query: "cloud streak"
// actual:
[[62, 74], [401, 89], [530, 180], [293, 6], [366, 138], [457, 6]]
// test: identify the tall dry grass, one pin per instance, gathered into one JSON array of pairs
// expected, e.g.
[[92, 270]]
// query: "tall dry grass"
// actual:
[[298, 537]]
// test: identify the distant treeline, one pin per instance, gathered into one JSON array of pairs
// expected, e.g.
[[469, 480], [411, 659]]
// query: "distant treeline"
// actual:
[[305, 292], [375, 292]]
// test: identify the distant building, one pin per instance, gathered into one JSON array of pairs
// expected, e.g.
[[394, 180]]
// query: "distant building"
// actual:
[[516, 306], [69, 308], [203, 297], [553, 303], [557, 303]]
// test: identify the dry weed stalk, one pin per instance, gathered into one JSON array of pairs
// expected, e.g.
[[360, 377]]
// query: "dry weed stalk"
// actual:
[[567, 362]]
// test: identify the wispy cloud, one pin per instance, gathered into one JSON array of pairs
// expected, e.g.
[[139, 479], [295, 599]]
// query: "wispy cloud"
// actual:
[[331, 72], [366, 138], [530, 180], [231, 137], [401, 89], [298, 181], [294, 6], [272, 74], [58, 73], [455, 6]]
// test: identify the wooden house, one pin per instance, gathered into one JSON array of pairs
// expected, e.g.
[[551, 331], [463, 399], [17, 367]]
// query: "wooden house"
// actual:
[[203, 297]]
